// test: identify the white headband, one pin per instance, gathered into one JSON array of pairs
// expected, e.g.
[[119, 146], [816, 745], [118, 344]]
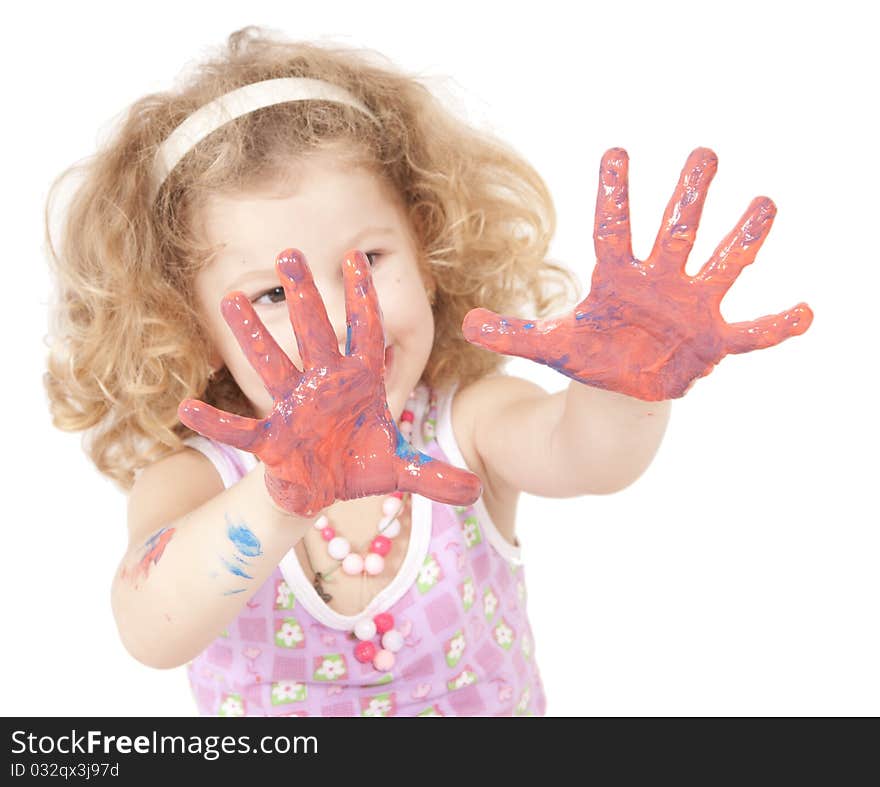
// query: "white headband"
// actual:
[[235, 104]]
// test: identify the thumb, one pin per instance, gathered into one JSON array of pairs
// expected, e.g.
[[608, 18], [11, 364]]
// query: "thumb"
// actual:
[[507, 335]]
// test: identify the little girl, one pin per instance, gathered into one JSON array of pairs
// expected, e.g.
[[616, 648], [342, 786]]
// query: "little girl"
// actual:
[[264, 280]]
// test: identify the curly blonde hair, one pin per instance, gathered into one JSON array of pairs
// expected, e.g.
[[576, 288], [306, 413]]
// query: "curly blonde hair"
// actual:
[[126, 343]]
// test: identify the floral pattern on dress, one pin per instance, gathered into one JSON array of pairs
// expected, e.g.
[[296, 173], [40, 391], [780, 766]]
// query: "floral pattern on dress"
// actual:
[[231, 706], [288, 633], [429, 574], [468, 592], [466, 677], [490, 603], [503, 634], [378, 705], [471, 529], [454, 648], [283, 596], [330, 667], [284, 691], [522, 706]]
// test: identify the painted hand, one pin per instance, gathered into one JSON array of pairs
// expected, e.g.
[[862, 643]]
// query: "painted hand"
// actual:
[[330, 435], [647, 329]]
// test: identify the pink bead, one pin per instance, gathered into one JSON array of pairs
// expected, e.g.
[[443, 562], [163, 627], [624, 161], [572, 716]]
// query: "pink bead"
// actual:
[[380, 545], [328, 533], [364, 652], [353, 564], [374, 564], [383, 660], [397, 493], [384, 622]]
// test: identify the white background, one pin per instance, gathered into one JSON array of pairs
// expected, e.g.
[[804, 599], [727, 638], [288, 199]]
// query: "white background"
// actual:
[[739, 574]]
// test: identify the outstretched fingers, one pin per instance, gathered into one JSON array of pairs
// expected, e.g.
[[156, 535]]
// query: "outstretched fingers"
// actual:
[[315, 336], [507, 335], [682, 217], [262, 351], [739, 247], [366, 336], [611, 231], [743, 337], [219, 425]]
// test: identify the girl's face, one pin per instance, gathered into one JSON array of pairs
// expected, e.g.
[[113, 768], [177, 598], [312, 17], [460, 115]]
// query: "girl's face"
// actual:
[[332, 209]]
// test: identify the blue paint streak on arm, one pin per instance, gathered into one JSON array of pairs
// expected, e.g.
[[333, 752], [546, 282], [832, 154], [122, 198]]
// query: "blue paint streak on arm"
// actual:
[[528, 326], [245, 541], [151, 541], [233, 592], [236, 570], [347, 338]]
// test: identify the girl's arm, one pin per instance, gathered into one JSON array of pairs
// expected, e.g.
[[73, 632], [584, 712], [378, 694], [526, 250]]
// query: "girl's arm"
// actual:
[[579, 441], [196, 555]]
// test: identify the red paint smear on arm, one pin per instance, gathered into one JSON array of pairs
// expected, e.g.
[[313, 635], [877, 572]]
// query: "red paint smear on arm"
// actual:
[[157, 546]]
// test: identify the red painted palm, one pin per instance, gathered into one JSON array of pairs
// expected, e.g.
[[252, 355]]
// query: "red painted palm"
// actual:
[[647, 329], [330, 435]]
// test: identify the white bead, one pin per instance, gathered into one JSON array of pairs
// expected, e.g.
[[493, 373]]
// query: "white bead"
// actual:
[[374, 563], [392, 640], [391, 506], [321, 522], [338, 548], [365, 629], [389, 529], [353, 564]]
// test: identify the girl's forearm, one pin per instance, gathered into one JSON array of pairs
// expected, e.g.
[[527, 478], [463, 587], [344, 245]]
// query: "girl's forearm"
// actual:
[[607, 439], [174, 594]]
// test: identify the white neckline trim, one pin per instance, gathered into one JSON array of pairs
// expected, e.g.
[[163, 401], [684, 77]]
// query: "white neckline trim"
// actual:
[[416, 552], [447, 441]]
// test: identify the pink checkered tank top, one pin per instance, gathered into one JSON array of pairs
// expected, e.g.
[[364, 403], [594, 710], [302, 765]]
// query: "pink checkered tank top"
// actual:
[[459, 600]]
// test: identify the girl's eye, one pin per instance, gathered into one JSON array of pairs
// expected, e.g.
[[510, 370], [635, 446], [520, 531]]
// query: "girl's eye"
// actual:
[[276, 294]]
